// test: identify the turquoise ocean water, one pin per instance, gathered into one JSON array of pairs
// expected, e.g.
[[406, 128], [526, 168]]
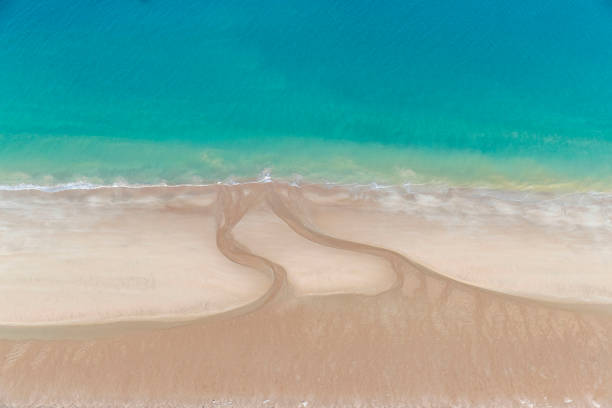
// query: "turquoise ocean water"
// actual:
[[484, 93]]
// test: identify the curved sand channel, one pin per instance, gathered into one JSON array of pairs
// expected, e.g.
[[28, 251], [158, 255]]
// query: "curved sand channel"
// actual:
[[426, 339]]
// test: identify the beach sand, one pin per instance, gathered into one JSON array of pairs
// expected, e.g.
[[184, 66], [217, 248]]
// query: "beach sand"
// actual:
[[264, 294]]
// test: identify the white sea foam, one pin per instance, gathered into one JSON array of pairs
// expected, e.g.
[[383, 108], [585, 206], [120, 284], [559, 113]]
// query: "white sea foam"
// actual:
[[503, 201]]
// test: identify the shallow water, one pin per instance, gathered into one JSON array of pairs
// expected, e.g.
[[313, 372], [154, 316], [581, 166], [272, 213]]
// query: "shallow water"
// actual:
[[476, 93]]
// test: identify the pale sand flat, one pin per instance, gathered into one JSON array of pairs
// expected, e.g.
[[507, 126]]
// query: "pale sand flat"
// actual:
[[312, 268], [125, 254], [74, 258], [490, 248], [429, 341]]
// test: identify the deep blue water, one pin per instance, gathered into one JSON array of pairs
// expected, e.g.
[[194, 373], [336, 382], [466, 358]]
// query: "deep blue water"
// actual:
[[472, 92]]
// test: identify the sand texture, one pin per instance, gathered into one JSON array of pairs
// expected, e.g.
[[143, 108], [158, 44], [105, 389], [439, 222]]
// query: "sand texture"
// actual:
[[265, 294]]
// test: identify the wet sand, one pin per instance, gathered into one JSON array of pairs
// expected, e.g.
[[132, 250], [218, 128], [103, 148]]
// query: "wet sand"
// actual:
[[347, 302]]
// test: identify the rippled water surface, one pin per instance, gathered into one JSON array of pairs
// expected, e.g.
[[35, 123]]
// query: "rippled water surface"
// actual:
[[481, 93]]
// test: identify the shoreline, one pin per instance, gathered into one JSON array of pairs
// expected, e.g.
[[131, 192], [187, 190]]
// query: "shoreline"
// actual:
[[549, 192]]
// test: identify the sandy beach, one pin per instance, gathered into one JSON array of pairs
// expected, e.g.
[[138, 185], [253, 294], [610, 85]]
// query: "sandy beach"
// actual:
[[266, 294]]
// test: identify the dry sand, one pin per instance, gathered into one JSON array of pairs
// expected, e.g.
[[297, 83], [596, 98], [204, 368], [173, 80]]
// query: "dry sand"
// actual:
[[115, 254], [91, 281]]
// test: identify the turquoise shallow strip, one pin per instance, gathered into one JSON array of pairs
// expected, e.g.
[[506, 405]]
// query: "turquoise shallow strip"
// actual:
[[512, 95]]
